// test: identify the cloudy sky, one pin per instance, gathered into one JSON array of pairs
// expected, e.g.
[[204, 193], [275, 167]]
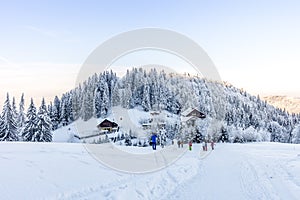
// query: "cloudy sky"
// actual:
[[255, 45]]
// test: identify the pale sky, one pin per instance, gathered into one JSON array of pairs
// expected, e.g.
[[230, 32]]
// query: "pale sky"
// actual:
[[255, 45]]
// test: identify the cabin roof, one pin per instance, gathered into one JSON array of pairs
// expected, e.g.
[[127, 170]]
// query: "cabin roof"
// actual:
[[107, 123]]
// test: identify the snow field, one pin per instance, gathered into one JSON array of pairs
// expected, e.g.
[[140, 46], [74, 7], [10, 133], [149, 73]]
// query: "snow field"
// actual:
[[231, 171]]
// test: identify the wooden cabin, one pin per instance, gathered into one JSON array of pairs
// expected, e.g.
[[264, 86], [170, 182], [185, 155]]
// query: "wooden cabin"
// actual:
[[193, 112], [190, 116], [108, 126]]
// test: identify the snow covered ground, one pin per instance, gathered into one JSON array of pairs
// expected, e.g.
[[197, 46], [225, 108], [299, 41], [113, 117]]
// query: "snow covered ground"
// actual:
[[231, 171]]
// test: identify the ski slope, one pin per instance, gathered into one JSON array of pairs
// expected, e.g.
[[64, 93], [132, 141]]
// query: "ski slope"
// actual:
[[231, 171], [129, 119]]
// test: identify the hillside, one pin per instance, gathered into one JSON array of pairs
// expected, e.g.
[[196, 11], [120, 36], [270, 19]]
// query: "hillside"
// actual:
[[290, 104], [231, 171], [231, 113]]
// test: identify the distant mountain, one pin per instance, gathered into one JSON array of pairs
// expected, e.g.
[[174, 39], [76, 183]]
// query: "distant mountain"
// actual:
[[290, 104]]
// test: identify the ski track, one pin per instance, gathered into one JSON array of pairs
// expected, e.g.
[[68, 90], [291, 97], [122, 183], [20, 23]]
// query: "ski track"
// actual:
[[144, 186], [154, 188], [235, 172], [251, 184], [252, 178]]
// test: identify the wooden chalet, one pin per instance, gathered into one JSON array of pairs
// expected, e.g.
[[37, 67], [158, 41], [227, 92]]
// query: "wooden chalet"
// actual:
[[107, 125], [193, 112], [191, 115]]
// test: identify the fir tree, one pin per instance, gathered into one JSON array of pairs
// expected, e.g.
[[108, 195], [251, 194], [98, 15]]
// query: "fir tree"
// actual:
[[56, 113], [44, 126], [8, 131], [116, 97], [21, 114], [97, 103], [64, 113], [146, 97], [296, 135], [14, 109], [105, 106], [51, 115], [30, 126], [87, 108]]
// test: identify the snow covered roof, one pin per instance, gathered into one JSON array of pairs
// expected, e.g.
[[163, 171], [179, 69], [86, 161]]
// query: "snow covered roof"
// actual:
[[155, 113], [186, 112], [146, 124], [107, 123], [185, 119]]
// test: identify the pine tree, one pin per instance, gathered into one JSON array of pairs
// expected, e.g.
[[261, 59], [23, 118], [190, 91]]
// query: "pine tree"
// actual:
[[14, 109], [2, 129], [76, 102], [70, 108], [30, 126], [87, 108], [116, 97], [296, 135], [21, 114], [64, 113], [44, 126], [276, 132], [105, 107], [8, 131], [97, 103], [51, 115], [56, 113], [146, 97]]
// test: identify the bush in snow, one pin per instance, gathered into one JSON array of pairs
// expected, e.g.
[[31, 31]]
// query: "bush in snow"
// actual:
[[277, 132], [250, 135], [264, 135], [235, 134], [296, 135]]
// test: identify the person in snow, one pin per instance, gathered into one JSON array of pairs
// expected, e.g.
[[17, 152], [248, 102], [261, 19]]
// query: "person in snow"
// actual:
[[190, 145], [178, 143], [153, 141], [212, 144], [203, 145]]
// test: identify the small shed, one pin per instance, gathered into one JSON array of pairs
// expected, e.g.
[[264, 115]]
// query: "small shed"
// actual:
[[108, 125]]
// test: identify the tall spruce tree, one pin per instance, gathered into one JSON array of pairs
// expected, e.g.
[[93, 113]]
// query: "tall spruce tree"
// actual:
[[51, 115], [116, 97], [97, 103], [105, 105], [14, 109], [21, 115], [30, 126], [44, 126], [8, 129], [56, 112]]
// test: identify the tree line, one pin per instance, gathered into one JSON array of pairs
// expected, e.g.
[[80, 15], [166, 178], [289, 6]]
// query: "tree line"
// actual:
[[241, 117]]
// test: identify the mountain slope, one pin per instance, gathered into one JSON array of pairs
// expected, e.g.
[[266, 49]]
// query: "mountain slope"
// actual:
[[290, 104], [229, 110]]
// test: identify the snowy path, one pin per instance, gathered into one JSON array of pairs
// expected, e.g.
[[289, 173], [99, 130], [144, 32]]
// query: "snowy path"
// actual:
[[213, 177], [229, 174], [232, 171]]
